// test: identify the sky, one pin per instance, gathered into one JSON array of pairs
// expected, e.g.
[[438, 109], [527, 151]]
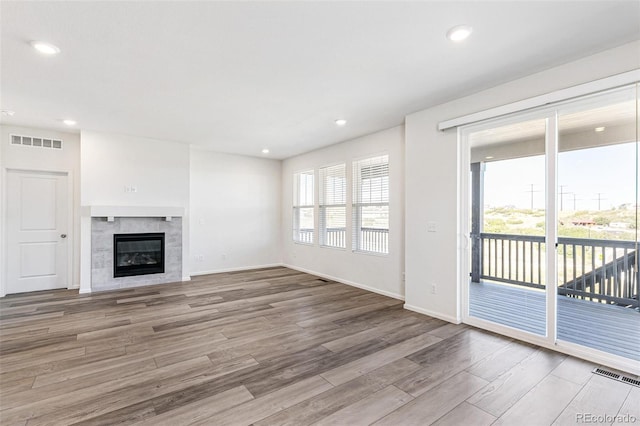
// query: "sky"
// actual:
[[606, 172]]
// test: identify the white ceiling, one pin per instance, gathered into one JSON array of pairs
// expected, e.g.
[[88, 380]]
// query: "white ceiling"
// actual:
[[240, 76]]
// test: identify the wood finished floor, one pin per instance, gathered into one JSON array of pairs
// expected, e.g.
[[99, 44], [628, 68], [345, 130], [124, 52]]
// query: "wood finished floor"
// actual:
[[274, 347]]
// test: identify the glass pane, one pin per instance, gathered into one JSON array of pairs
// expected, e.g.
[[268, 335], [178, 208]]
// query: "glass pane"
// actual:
[[598, 229], [374, 232], [335, 221], [305, 189], [333, 185], [507, 284], [303, 200], [371, 180], [371, 205], [305, 221], [146, 252]]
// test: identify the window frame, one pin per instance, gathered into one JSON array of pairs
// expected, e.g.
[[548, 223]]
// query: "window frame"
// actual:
[[357, 204], [298, 207], [323, 206]]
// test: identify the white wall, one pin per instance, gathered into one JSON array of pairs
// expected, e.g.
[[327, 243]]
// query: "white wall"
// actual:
[[382, 274], [159, 170], [234, 211], [43, 159], [432, 175]]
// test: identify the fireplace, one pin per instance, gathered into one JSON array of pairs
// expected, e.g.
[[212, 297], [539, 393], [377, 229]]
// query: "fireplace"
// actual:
[[138, 254]]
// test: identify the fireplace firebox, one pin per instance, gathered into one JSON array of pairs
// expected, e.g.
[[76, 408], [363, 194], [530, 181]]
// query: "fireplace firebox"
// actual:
[[138, 254]]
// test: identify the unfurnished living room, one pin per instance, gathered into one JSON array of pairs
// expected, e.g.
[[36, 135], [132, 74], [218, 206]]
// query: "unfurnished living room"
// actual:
[[319, 212]]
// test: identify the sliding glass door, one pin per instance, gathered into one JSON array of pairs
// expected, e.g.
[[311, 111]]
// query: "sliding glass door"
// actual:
[[598, 223], [508, 213], [552, 221]]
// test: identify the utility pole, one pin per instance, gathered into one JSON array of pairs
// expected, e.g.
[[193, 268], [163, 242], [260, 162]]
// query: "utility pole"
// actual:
[[562, 194], [575, 199], [532, 191], [599, 198]]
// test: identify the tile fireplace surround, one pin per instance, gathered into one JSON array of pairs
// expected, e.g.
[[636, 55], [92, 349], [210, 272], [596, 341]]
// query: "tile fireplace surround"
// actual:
[[107, 222]]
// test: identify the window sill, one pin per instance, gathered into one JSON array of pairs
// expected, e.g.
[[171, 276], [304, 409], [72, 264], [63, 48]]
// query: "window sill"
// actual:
[[333, 248], [370, 253], [302, 243]]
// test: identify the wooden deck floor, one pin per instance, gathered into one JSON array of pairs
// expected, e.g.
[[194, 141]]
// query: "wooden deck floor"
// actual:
[[273, 347], [612, 329]]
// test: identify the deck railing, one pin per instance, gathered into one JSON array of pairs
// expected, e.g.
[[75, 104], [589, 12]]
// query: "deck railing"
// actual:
[[335, 237], [371, 239], [514, 259], [305, 235], [598, 270], [374, 240]]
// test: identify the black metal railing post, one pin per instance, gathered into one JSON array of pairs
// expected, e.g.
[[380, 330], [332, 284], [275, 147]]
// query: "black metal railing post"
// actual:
[[476, 221]]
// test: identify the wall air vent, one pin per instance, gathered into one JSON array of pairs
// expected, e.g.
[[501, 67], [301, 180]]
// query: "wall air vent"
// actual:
[[36, 142], [616, 376]]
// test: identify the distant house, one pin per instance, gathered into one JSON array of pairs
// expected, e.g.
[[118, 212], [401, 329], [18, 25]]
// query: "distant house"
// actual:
[[583, 222]]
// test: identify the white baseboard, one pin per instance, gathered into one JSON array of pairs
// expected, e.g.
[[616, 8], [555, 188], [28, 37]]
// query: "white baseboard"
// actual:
[[347, 282], [307, 271], [241, 268], [186, 278], [438, 315], [84, 291]]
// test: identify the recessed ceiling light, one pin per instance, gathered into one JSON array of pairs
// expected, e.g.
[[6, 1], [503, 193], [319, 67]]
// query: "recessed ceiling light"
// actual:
[[488, 157], [341, 122], [69, 122], [45, 48], [459, 32], [8, 113], [265, 151], [599, 129]]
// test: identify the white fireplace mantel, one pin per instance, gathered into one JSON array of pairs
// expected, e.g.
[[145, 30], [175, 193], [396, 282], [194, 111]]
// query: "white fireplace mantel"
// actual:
[[132, 211]]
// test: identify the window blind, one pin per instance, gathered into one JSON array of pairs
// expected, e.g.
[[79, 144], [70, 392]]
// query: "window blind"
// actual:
[[333, 209], [303, 202], [371, 204]]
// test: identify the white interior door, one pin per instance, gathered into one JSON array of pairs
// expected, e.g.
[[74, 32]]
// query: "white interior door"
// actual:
[[37, 221]]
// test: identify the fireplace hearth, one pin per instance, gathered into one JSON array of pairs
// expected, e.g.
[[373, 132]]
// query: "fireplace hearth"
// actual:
[[138, 254]]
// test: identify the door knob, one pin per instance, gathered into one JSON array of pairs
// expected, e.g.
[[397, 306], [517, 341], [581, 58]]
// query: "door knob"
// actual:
[[63, 235]]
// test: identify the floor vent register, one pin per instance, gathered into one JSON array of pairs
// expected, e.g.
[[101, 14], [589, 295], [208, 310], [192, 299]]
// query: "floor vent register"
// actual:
[[615, 376]]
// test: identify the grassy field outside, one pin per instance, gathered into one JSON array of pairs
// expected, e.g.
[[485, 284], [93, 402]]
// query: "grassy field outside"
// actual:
[[615, 224], [500, 258]]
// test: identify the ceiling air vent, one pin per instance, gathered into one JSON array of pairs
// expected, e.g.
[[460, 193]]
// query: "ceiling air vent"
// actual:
[[36, 142], [616, 376]]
